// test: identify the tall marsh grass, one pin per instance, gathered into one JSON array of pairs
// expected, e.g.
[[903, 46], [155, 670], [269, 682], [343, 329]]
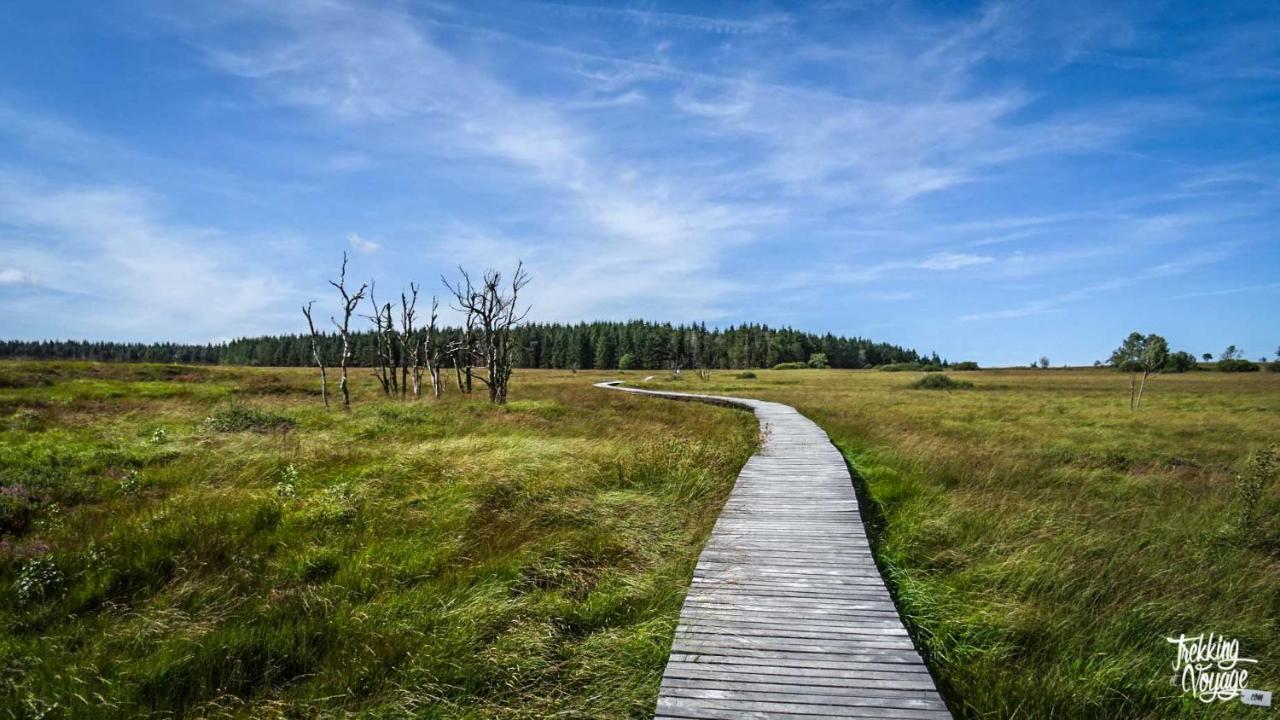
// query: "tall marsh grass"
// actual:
[[442, 559]]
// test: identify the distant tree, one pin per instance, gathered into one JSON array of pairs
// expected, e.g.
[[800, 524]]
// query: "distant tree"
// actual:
[[1231, 353], [553, 345], [1044, 362], [627, 362], [1140, 354], [818, 360], [606, 350], [1207, 357], [1181, 362]]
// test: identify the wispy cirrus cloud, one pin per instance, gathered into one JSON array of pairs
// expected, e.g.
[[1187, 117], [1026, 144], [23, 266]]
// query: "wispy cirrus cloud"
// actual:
[[774, 22], [316, 57], [1179, 266]]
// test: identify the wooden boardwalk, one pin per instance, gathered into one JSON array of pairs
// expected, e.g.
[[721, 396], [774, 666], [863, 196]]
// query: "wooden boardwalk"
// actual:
[[787, 616]]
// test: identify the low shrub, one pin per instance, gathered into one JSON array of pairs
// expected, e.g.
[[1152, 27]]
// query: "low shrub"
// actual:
[[965, 365], [941, 382], [747, 375], [791, 366], [911, 367], [242, 418], [1238, 366]]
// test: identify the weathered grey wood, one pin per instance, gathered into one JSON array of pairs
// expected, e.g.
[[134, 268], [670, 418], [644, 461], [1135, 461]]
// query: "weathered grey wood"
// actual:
[[788, 616]]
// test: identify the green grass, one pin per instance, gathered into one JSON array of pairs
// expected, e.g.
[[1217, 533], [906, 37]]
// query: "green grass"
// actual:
[[211, 542], [1043, 540]]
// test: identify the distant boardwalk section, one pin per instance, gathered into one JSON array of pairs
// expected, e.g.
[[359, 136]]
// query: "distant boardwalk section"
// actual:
[[788, 616]]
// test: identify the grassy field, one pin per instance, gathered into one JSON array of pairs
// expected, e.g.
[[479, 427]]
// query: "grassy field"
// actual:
[[211, 542], [1043, 539]]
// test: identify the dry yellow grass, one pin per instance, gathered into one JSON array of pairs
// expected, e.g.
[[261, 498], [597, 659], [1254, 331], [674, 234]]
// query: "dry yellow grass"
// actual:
[[1044, 539]]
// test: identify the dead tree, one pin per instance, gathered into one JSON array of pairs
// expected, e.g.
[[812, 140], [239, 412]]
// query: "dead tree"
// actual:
[[384, 329], [432, 351], [350, 301], [493, 310], [462, 349], [410, 347], [315, 354]]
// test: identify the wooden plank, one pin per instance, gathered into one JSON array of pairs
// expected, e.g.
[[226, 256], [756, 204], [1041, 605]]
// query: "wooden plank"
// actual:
[[787, 615]]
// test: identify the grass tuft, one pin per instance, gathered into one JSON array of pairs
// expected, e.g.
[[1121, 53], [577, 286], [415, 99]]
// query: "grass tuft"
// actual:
[[941, 382], [235, 417]]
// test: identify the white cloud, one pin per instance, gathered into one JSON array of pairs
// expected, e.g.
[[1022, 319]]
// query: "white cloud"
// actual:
[[953, 261], [362, 245], [14, 276], [108, 260]]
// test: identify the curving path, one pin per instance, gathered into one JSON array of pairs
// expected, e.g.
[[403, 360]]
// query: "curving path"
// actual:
[[787, 616]]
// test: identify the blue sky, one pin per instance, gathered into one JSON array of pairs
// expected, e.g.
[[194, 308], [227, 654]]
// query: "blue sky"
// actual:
[[993, 181]]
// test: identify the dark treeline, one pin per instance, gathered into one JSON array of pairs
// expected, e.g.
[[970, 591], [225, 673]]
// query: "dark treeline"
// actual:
[[604, 345]]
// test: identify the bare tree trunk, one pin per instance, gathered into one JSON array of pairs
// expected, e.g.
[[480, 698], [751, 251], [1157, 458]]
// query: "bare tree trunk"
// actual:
[[410, 347], [349, 303], [431, 349], [1133, 378], [1142, 387], [315, 354], [384, 368], [378, 365], [389, 348]]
